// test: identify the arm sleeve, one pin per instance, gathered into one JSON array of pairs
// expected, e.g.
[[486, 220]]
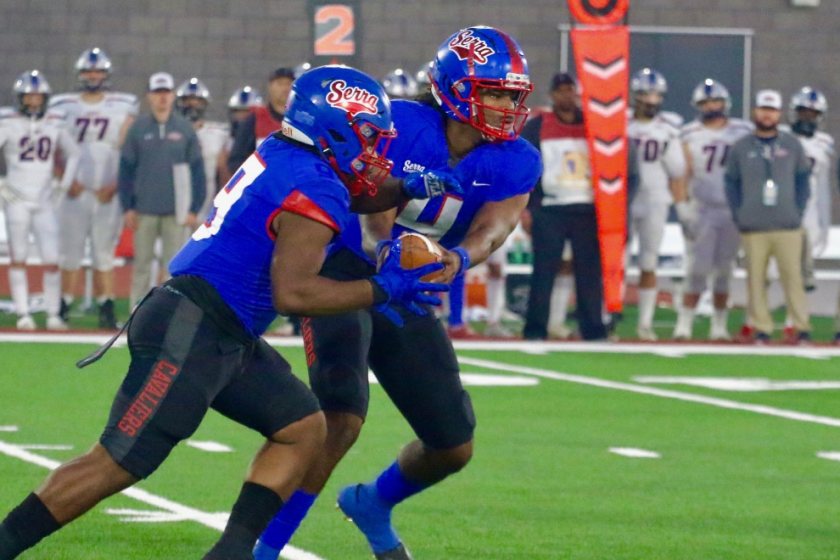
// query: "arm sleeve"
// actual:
[[732, 182], [244, 143], [197, 174], [72, 152], [128, 169]]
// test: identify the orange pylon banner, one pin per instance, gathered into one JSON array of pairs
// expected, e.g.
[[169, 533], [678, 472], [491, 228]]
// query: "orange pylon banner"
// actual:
[[602, 61]]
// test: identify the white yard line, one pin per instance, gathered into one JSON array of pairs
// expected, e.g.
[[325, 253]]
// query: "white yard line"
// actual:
[[653, 391], [213, 520]]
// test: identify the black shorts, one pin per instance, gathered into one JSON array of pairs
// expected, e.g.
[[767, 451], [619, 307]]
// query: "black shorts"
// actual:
[[416, 365], [182, 363]]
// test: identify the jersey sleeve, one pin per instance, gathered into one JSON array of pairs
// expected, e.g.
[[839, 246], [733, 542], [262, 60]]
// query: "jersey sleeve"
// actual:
[[508, 169], [321, 198]]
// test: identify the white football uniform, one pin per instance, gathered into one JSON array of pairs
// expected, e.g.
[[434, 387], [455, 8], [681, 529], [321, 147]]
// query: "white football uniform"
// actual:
[[213, 138], [97, 128], [661, 158], [819, 149], [29, 147], [716, 241]]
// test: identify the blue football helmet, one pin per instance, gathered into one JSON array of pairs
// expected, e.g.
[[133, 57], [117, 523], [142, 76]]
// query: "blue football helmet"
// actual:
[[346, 115], [92, 59], [707, 90], [192, 98], [400, 85], [473, 61], [31, 81]]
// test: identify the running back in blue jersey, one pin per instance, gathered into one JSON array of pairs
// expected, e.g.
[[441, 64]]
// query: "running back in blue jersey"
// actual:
[[490, 173], [232, 249]]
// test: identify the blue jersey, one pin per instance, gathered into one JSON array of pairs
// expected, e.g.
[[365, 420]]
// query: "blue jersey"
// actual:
[[232, 249], [490, 173]]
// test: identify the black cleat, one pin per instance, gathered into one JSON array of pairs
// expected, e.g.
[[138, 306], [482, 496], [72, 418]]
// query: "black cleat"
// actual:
[[399, 553], [107, 320], [64, 311]]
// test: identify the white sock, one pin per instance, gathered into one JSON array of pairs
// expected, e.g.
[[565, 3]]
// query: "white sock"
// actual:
[[560, 295], [647, 306], [102, 299], [68, 299], [52, 293], [719, 319], [495, 299], [20, 290], [685, 320]]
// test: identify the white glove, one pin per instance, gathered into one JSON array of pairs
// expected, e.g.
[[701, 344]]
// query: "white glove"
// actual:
[[820, 243], [688, 218], [55, 192], [7, 193]]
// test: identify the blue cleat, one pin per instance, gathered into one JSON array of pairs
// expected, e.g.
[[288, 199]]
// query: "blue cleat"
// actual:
[[363, 506]]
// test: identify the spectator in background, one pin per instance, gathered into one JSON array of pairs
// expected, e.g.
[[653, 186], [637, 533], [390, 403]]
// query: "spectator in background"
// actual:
[[562, 208], [263, 120], [159, 147], [767, 186], [240, 105]]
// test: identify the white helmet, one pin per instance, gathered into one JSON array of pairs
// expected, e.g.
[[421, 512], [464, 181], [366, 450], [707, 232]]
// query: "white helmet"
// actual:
[[93, 59], [31, 81], [400, 85], [710, 89], [807, 98], [192, 89], [645, 84], [244, 98]]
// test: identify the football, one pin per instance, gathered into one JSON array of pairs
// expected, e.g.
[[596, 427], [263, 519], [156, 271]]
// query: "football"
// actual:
[[417, 250]]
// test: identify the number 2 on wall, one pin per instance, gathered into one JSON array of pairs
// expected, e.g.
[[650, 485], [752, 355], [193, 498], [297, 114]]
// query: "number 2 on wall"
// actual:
[[334, 25]]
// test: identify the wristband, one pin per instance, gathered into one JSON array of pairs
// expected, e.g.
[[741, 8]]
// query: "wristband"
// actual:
[[465, 259], [380, 296]]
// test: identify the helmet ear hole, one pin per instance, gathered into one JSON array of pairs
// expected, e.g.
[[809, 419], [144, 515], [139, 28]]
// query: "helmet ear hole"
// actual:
[[336, 136]]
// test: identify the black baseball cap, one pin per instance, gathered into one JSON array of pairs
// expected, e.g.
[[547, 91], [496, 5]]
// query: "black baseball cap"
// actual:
[[282, 72], [562, 78]]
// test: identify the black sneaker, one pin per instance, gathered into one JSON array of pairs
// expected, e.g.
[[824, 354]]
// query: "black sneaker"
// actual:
[[762, 338], [64, 311], [107, 320], [804, 338], [399, 553]]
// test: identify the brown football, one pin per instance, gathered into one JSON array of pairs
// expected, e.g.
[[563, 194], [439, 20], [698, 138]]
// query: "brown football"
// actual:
[[418, 250]]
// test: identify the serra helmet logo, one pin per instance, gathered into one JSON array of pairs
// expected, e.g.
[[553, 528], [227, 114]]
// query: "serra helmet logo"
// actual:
[[465, 42], [353, 99]]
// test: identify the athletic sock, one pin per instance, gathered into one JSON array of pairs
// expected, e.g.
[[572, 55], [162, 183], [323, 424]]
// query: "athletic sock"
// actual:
[[253, 510], [52, 293], [495, 299], [68, 299], [279, 532], [393, 487], [647, 306], [685, 321], [25, 526], [456, 301], [720, 318], [20, 290], [560, 294]]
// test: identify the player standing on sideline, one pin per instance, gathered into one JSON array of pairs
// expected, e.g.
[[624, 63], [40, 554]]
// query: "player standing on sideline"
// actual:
[[471, 122], [99, 119], [240, 105], [30, 136], [191, 99], [400, 85], [195, 342], [712, 238], [662, 171]]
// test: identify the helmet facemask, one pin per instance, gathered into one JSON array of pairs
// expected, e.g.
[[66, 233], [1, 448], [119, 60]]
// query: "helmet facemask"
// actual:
[[367, 171]]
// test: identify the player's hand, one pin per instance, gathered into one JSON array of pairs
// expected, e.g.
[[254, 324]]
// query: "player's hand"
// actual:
[[688, 218], [820, 243], [7, 193], [431, 183], [75, 189], [106, 193], [527, 221], [130, 220], [191, 220], [405, 287], [456, 262]]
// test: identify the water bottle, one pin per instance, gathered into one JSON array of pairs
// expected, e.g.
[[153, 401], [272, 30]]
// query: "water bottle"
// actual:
[[770, 193]]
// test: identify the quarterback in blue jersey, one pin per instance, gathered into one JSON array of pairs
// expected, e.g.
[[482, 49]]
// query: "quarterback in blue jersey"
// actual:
[[469, 123], [195, 341]]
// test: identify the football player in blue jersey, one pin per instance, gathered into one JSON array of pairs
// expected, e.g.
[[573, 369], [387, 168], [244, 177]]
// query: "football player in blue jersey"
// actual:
[[196, 343], [470, 122]]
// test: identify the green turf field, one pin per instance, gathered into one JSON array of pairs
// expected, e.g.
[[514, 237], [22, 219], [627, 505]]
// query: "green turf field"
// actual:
[[738, 476]]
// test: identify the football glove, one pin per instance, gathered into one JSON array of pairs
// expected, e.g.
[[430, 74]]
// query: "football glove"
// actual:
[[404, 287], [688, 218], [432, 183], [7, 193]]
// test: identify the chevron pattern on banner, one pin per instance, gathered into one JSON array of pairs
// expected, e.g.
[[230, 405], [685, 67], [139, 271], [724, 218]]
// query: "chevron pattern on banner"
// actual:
[[601, 58]]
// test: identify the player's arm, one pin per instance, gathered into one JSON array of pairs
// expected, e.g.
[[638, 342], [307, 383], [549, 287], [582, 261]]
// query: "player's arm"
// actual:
[[488, 231], [222, 173], [297, 288], [376, 228], [676, 165], [129, 120], [680, 192], [393, 192], [71, 152]]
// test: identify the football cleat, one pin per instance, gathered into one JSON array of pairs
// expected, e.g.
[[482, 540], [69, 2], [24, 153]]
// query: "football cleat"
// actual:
[[646, 334], [497, 330], [462, 332], [107, 319], [361, 505], [64, 311], [559, 332], [790, 336], [55, 323], [719, 335], [25, 323]]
